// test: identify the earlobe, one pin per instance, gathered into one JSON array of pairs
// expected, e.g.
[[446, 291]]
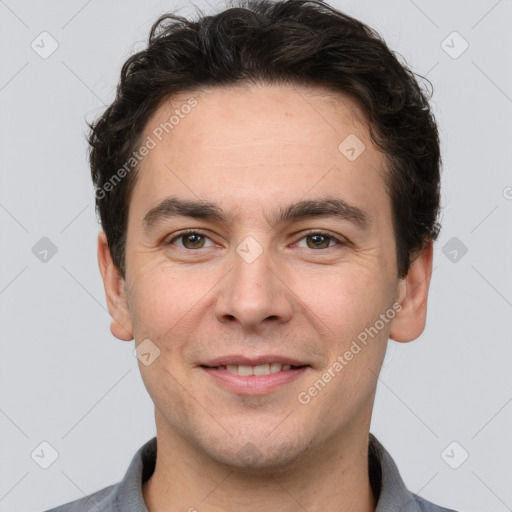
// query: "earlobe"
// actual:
[[115, 292], [409, 322]]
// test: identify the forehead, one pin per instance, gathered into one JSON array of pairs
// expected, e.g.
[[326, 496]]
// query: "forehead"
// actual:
[[249, 114], [249, 142]]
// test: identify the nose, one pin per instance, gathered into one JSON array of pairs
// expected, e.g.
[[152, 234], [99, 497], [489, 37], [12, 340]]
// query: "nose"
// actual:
[[254, 294]]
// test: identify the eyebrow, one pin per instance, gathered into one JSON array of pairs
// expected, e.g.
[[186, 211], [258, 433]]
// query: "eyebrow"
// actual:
[[172, 207]]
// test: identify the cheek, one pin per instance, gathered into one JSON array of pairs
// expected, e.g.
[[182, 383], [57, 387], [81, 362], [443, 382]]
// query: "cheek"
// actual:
[[345, 314], [345, 301], [157, 301], [168, 303]]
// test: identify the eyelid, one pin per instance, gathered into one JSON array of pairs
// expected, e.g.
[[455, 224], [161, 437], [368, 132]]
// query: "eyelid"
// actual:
[[339, 239], [185, 232]]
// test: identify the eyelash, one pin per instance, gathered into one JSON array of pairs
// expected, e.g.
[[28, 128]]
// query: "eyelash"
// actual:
[[182, 234]]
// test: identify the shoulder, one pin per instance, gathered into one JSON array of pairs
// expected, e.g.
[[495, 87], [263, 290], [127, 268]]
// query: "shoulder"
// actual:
[[427, 506], [100, 500], [126, 494]]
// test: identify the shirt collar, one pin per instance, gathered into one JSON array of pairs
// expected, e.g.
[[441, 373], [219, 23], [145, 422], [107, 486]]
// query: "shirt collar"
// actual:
[[387, 484], [393, 495]]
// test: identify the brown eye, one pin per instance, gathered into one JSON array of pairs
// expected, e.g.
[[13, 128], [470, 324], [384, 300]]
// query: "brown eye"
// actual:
[[318, 240], [190, 240], [195, 240]]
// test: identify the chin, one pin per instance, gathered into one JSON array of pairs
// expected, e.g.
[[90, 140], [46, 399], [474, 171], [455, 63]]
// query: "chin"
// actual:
[[256, 454]]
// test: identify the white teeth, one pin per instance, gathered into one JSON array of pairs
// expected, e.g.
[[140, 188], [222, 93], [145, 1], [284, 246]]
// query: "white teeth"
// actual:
[[244, 370], [275, 367], [261, 369]]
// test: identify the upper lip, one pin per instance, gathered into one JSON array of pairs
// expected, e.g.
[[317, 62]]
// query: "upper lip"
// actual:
[[253, 361]]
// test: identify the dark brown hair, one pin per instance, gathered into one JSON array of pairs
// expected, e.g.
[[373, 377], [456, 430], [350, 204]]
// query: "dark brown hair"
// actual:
[[299, 42]]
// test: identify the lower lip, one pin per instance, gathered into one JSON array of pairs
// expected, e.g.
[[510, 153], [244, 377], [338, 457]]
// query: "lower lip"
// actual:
[[254, 384]]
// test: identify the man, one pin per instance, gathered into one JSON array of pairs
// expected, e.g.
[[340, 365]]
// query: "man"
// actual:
[[268, 185]]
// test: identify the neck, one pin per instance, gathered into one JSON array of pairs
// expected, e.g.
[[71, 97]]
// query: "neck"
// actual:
[[334, 478]]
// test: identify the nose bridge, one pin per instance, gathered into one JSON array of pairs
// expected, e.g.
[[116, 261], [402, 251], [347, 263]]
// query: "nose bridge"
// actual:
[[253, 291]]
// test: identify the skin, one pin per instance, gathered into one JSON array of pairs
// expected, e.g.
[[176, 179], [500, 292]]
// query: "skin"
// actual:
[[252, 149]]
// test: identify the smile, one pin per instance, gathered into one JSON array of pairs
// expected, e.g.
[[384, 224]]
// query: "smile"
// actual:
[[261, 369], [259, 379]]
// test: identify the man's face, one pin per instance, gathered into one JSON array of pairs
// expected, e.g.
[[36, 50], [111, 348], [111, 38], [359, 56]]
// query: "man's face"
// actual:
[[251, 285]]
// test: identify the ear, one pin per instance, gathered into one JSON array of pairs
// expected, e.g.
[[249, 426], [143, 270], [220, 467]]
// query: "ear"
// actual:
[[409, 322], [115, 291]]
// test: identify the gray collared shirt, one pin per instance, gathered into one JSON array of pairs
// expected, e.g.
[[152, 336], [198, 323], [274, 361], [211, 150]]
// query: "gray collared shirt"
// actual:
[[126, 496]]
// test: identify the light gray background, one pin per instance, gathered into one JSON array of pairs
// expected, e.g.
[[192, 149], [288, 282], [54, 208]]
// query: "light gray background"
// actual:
[[65, 379]]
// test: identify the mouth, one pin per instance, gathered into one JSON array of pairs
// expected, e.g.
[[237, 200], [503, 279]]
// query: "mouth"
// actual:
[[245, 370], [239, 376]]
